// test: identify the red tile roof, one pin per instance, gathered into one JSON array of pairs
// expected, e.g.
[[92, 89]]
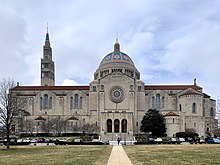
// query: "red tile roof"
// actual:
[[41, 88], [73, 118], [206, 96], [190, 92], [171, 87], [40, 118], [171, 114]]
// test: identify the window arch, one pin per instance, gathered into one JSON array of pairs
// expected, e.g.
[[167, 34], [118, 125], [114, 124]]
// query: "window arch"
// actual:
[[45, 101], [180, 107], [80, 102], [153, 102], [163, 102], [50, 103], [76, 98], [116, 125], [41, 102], [102, 87], [157, 101], [194, 108], [109, 126], [71, 102], [212, 112], [124, 126]]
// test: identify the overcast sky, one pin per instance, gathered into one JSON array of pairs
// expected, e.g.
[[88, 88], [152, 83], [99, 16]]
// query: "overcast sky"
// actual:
[[170, 41]]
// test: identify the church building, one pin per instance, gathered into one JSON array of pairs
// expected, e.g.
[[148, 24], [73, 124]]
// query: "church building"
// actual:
[[114, 102]]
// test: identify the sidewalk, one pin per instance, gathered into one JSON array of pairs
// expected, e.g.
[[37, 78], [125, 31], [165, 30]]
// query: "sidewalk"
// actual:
[[118, 156]]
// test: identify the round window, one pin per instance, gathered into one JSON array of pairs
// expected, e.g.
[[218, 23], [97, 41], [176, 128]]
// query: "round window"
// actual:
[[116, 94]]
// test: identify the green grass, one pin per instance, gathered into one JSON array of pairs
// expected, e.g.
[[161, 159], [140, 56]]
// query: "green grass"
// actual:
[[76, 154], [99, 154], [174, 154]]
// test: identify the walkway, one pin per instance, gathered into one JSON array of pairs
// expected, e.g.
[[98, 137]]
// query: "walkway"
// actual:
[[118, 156]]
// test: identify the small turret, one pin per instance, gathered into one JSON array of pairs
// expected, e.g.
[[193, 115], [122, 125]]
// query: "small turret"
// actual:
[[117, 46]]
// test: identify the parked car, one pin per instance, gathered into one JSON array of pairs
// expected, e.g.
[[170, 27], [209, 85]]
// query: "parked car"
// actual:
[[181, 140], [19, 140], [106, 142], [63, 140], [26, 140], [40, 140], [213, 141], [158, 141], [173, 141], [1, 142], [150, 141], [33, 141], [95, 140], [202, 141], [77, 140]]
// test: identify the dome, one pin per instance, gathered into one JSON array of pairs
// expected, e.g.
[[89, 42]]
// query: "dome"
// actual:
[[116, 58], [117, 62]]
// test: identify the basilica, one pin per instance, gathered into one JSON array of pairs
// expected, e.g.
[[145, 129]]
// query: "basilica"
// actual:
[[114, 102]]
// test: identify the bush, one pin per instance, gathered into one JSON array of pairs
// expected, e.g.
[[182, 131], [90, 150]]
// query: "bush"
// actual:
[[186, 134]]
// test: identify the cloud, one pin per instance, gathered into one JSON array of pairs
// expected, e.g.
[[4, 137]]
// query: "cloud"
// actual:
[[12, 32], [170, 42], [193, 52], [68, 82], [196, 53]]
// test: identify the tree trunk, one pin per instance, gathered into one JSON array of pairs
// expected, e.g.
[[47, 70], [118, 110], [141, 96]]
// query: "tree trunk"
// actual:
[[8, 137]]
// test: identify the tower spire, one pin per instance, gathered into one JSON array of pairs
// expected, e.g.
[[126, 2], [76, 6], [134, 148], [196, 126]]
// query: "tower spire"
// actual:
[[47, 64], [47, 35], [117, 45]]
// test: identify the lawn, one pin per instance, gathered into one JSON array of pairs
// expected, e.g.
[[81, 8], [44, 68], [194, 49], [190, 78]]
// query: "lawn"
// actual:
[[207, 154], [76, 154]]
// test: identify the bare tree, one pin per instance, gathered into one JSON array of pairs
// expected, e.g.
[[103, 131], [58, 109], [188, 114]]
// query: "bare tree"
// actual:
[[10, 104], [59, 125], [86, 128], [47, 126], [29, 126], [56, 124]]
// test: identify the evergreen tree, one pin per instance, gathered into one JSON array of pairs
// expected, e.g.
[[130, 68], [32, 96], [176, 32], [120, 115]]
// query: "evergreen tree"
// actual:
[[153, 122]]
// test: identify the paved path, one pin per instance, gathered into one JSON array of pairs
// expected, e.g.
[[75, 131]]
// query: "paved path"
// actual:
[[118, 156]]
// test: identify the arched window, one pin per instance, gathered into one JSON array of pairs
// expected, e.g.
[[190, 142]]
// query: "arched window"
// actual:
[[180, 107], [76, 101], [194, 108], [102, 87], [153, 102], [124, 126], [173, 121], [80, 102], [50, 103], [109, 126], [163, 100], [45, 101], [158, 101], [61, 101], [41, 102], [211, 112], [116, 126], [71, 102]]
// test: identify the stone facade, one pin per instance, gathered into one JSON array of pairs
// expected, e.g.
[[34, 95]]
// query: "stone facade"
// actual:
[[115, 101]]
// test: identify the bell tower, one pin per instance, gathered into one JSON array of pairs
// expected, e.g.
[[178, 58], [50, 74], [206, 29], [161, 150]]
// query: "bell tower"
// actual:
[[47, 64]]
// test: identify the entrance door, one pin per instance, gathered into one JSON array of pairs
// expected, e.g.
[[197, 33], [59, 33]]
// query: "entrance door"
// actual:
[[116, 126]]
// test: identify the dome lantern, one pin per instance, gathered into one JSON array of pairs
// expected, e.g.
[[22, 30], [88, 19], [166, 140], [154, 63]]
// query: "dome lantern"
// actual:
[[117, 46]]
